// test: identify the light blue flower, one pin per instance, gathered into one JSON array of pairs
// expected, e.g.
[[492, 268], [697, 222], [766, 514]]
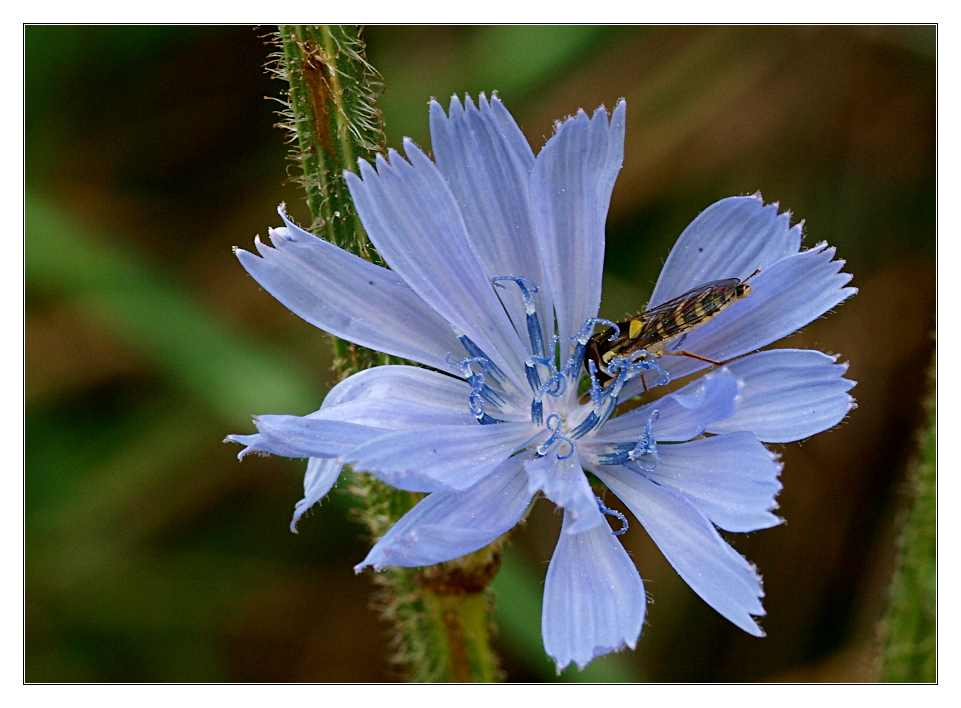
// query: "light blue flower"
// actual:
[[495, 262]]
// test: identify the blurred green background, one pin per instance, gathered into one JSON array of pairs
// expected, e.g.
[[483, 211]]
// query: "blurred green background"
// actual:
[[153, 555]]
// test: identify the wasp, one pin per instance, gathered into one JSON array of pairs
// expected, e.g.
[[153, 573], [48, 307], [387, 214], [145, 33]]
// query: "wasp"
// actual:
[[655, 329]]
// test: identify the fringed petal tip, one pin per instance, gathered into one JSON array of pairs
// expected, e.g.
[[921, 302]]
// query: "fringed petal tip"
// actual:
[[616, 116], [251, 443], [300, 508], [288, 222], [598, 652], [363, 565], [384, 165], [785, 215], [594, 601], [322, 474], [614, 119], [455, 105]]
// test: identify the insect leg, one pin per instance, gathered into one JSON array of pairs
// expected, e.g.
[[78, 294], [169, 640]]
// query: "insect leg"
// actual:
[[682, 352]]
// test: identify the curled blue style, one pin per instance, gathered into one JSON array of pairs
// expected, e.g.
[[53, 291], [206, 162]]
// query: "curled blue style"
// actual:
[[617, 515], [496, 412], [478, 387], [554, 424]]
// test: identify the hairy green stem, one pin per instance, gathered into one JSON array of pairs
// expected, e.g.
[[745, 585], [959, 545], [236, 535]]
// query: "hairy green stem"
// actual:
[[910, 636], [442, 614]]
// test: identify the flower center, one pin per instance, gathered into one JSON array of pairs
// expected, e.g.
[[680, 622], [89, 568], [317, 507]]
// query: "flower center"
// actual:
[[555, 424], [556, 387]]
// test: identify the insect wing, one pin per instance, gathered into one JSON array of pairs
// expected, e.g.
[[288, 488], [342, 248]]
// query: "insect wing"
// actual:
[[687, 311], [691, 297]]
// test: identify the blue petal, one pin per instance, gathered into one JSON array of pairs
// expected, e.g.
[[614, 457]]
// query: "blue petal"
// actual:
[[448, 525], [296, 436], [406, 382], [320, 477], [487, 163], [714, 570], [732, 479], [444, 458], [593, 598], [349, 297], [571, 186], [683, 415], [252, 444], [788, 394], [414, 222], [788, 295], [565, 484], [395, 413], [417, 394], [730, 239]]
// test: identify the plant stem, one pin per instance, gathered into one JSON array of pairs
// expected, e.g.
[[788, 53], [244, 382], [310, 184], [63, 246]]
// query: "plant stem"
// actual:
[[441, 614], [335, 121]]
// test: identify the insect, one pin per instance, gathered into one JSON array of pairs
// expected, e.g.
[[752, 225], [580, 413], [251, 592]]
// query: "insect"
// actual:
[[655, 329]]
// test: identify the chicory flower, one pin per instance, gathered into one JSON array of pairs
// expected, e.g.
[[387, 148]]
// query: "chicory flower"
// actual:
[[495, 260]]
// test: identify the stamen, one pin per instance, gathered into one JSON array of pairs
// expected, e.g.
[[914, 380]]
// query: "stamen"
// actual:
[[620, 454], [615, 514], [586, 425], [528, 289], [537, 411], [555, 387], [623, 369], [533, 374], [556, 435], [626, 454], [478, 353], [492, 396], [592, 419]]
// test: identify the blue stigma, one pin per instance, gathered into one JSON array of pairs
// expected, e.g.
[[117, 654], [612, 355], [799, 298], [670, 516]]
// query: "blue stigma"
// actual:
[[573, 366], [630, 366], [528, 289], [479, 389], [627, 454], [478, 353], [605, 400], [647, 446], [593, 419], [596, 389], [554, 425], [555, 387], [616, 514]]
